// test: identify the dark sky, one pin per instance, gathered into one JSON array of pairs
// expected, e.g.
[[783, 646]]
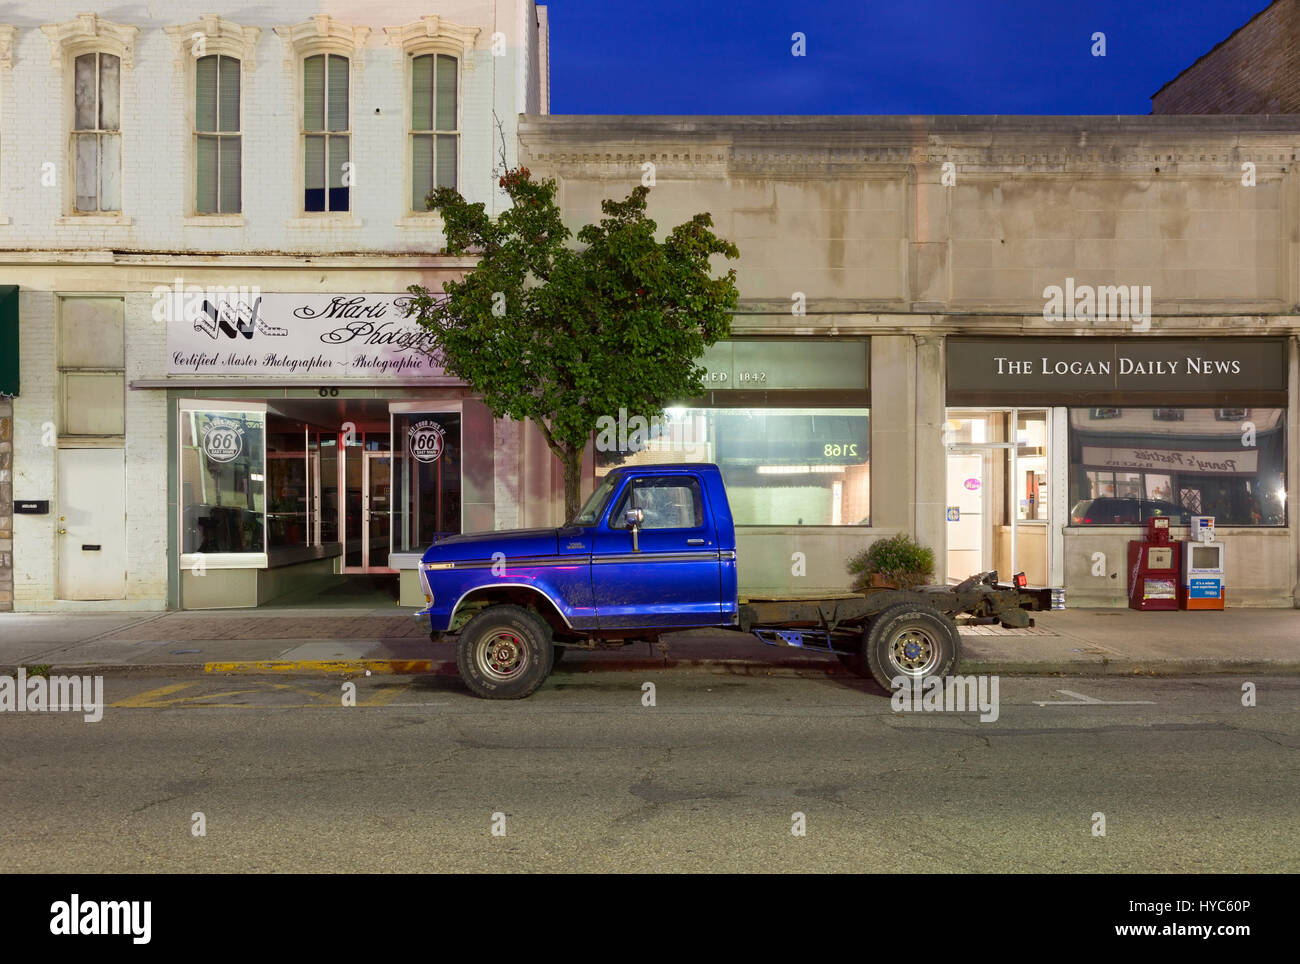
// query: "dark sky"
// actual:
[[876, 56]]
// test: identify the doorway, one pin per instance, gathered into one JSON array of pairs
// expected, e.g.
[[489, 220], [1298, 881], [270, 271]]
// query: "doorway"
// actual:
[[92, 523], [997, 493]]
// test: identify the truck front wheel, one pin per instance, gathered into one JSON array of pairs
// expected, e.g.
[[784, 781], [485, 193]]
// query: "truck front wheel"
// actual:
[[505, 653], [912, 641]]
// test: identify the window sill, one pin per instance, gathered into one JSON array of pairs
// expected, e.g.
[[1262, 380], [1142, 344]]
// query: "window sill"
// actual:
[[93, 220], [214, 221], [425, 222], [326, 221]]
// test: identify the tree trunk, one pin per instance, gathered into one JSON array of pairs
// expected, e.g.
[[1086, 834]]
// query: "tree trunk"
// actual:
[[572, 461]]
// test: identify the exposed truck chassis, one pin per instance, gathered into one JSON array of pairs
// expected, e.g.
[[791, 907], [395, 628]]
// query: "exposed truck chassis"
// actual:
[[835, 624]]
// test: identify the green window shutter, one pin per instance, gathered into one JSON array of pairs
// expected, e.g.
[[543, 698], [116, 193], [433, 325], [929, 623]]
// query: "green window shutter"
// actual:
[[337, 100], [421, 170], [446, 93], [422, 93], [205, 187], [447, 160], [313, 93], [231, 200], [205, 93], [229, 94]]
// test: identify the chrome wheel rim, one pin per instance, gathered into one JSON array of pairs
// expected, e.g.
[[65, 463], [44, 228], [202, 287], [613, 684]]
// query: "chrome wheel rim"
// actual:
[[502, 656], [914, 651]]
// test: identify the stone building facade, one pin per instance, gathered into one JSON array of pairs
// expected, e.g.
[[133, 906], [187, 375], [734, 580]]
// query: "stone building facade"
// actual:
[[1011, 412]]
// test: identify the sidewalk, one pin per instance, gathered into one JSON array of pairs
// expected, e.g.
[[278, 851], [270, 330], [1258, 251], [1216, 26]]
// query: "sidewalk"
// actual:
[[1091, 642]]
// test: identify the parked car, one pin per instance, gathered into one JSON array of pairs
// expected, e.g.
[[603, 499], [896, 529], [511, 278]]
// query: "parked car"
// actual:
[[1111, 511]]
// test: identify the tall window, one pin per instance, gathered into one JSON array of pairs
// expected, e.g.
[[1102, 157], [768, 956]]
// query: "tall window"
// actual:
[[216, 129], [326, 134], [96, 133], [435, 135]]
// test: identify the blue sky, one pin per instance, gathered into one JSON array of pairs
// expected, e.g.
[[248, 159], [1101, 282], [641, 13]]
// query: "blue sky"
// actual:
[[876, 56]]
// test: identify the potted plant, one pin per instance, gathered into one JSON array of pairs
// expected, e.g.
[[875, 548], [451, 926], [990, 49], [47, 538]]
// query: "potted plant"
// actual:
[[899, 562]]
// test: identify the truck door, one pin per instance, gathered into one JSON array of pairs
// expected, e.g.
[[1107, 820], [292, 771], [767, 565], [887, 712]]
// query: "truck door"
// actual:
[[672, 578]]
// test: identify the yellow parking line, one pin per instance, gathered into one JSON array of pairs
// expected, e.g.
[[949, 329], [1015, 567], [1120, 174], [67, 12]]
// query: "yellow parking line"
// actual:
[[384, 696], [148, 698], [321, 666]]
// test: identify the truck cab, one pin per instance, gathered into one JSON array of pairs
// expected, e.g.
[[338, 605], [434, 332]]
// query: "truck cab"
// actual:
[[653, 549]]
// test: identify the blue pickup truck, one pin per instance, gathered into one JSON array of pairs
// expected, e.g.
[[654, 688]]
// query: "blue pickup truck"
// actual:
[[653, 551]]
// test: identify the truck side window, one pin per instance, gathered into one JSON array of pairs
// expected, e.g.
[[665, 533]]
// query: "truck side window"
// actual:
[[670, 502]]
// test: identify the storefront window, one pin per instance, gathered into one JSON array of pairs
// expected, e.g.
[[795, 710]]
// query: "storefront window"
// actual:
[[427, 456], [1129, 464], [781, 466], [222, 481]]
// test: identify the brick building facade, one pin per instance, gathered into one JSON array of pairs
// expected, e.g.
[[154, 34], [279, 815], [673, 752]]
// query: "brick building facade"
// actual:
[[1254, 70]]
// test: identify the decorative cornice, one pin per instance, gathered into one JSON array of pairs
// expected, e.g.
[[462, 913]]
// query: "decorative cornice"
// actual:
[[321, 33], [219, 36], [90, 30], [6, 45], [434, 32]]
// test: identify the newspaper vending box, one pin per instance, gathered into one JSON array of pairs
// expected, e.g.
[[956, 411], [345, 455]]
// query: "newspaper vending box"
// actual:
[[1153, 568], [1201, 586]]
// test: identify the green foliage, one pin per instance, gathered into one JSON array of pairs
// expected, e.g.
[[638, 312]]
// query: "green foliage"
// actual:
[[563, 335], [899, 559]]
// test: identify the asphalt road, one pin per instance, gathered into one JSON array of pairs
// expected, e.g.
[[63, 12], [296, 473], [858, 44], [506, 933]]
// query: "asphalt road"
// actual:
[[709, 778]]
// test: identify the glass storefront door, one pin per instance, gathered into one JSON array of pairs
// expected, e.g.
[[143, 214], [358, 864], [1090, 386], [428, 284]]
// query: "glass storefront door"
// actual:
[[997, 506], [366, 502], [376, 509]]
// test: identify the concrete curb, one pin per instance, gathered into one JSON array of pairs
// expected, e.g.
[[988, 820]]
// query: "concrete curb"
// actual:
[[738, 667]]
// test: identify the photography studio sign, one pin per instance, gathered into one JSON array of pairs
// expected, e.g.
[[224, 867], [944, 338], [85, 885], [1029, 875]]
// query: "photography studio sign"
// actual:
[[312, 337]]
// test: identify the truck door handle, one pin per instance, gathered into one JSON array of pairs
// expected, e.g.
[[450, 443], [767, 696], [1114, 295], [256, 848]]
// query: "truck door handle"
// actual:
[[695, 542]]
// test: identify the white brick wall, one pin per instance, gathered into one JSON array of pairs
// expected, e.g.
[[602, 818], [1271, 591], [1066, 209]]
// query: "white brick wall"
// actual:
[[47, 258], [156, 166]]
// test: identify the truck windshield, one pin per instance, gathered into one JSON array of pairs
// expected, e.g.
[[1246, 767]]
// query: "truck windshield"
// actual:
[[590, 512]]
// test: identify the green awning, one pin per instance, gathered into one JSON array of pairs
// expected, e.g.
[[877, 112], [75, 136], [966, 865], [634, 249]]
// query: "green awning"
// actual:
[[8, 339]]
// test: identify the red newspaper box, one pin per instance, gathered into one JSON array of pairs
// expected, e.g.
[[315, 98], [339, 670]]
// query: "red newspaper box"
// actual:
[[1154, 568]]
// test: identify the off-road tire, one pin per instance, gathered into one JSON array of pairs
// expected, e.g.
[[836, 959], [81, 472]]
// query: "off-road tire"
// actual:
[[505, 653], [911, 640]]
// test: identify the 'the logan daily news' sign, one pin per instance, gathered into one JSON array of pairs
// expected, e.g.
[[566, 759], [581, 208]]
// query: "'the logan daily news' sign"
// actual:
[[307, 336], [985, 371]]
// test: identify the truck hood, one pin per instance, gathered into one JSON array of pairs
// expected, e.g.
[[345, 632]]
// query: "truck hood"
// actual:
[[513, 543]]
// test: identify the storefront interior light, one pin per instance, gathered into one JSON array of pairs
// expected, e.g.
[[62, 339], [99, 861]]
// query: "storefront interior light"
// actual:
[[255, 477], [784, 469]]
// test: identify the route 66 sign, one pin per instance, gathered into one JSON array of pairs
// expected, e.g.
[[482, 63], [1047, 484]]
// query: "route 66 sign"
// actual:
[[425, 440], [223, 439]]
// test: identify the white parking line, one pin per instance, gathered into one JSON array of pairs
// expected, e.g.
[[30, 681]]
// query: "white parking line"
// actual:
[[1081, 700]]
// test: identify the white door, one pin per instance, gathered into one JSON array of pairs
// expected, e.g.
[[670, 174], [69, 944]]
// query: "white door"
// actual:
[[92, 523]]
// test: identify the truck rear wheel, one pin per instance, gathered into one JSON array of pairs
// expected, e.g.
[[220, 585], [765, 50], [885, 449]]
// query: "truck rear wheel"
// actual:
[[911, 640], [505, 653]]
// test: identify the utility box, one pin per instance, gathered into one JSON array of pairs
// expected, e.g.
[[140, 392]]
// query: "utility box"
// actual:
[[1204, 571], [1154, 564]]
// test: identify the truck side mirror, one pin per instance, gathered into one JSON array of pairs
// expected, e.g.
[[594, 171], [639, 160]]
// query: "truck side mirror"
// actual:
[[634, 519]]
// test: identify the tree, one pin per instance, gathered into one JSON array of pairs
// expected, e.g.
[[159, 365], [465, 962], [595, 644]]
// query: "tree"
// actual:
[[563, 335]]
